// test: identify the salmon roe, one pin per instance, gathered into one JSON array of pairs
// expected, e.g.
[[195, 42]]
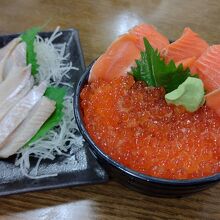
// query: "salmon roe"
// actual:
[[134, 125]]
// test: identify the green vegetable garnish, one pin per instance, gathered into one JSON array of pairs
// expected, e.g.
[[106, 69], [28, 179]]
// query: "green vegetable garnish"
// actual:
[[189, 94], [56, 94], [28, 37], [155, 72]]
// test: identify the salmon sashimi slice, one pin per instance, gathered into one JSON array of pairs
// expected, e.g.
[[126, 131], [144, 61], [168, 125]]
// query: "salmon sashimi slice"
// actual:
[[117, 60], [187, 63], [156, 39], [208, 68], [123, 52], [190, 44], [213, 100]]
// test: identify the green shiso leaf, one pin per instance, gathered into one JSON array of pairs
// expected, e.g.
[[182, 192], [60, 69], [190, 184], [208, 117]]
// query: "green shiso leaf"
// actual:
[[153, 70], [28, 37], [56, 94]]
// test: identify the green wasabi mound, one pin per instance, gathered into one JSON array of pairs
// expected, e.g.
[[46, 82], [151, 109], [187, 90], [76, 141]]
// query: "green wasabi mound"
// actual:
[[189, 94]]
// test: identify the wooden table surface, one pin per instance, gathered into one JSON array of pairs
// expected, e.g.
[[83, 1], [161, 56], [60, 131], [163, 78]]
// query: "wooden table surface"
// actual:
[[99, 22]]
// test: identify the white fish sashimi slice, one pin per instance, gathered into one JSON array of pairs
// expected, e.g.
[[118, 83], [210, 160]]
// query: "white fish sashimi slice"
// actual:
[[5, 53], [20, 111], [18, 55], [9, 47], [29, 127], [9, 103], [17, 58], [14, 83], [26, 74]]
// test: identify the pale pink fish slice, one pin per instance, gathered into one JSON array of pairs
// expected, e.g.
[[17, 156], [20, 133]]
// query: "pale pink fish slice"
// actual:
[[19, 112], [5, 52], [29, 127]]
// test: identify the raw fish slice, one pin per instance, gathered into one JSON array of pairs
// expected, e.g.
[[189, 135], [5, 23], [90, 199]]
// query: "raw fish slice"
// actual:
[[117, 60], [19, 112], [188, 45], [9, 103], [29, 127], [213, 100], [187, 63], [8, 48], [123, 52], [156, 39], [13, 84], [208, 68], [5, 53], [16, 58]]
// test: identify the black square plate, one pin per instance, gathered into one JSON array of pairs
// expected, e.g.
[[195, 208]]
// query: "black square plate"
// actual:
[[78, 169]]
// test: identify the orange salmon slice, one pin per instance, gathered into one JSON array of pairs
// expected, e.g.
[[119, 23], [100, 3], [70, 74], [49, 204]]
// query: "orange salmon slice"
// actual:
[[188, 45], [188, 62], [156, 39], [122, 53], [213, 100], [117, 60], [208, 68]]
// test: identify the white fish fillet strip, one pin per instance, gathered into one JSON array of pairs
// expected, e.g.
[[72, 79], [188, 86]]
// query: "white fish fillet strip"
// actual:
[[9, 47], [5, 53], [20, 111], [35, 119], [9, 103], [17, 58], [14, 83]]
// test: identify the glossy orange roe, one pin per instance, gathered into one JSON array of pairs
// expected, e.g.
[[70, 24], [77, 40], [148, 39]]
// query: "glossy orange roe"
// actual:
[[133, 124]]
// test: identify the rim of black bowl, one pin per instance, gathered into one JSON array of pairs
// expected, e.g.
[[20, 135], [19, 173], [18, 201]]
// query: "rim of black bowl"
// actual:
[[77, 111]]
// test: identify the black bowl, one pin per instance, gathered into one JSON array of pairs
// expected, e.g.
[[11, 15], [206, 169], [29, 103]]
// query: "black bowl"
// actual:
[[132, 179]]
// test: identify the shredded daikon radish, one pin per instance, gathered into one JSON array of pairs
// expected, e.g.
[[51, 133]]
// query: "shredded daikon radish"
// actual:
[[65, 138], [52, 60]]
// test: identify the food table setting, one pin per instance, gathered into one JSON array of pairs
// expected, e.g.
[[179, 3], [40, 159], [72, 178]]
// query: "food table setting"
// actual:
[[131, 134]]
